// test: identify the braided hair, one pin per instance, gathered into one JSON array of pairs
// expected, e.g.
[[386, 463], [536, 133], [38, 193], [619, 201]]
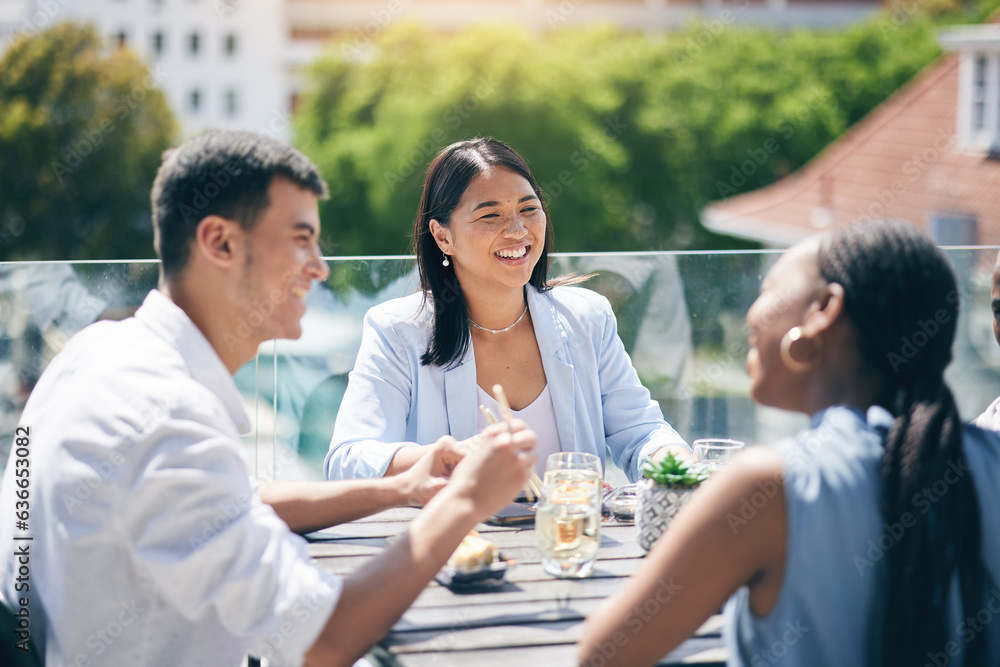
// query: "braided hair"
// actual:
[[900, 293]]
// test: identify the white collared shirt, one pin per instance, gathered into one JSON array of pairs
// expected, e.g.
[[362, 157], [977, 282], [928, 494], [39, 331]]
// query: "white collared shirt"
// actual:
[[149, 546]]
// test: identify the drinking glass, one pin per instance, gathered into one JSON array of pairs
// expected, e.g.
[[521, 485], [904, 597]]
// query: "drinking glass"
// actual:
[[568, 517], [562, 461], [715, 453]]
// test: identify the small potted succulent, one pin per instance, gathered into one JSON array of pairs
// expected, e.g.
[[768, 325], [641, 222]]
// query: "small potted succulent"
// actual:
[[665, 488]]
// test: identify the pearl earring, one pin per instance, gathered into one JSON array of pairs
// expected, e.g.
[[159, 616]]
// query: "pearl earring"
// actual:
[[445, 262]]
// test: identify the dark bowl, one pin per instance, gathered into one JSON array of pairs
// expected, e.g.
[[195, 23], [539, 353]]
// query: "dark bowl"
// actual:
[[484, 576]]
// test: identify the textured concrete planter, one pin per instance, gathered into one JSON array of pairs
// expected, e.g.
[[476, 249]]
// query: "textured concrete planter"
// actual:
[[655, 509]]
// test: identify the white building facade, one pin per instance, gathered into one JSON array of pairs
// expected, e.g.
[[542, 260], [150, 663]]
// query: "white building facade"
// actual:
[[219, 62], [238, 64], [357, 23]]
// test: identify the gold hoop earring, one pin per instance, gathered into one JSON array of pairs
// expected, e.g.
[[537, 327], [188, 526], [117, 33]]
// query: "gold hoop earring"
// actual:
[[791, 363]]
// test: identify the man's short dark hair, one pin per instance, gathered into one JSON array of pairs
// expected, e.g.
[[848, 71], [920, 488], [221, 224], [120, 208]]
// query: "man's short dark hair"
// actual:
[[224, 173]]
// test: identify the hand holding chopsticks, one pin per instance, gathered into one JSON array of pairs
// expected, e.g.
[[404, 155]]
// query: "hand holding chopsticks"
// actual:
[[534, 486]]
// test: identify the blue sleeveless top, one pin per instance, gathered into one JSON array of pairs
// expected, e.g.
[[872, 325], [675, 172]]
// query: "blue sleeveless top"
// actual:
[[830, 608]]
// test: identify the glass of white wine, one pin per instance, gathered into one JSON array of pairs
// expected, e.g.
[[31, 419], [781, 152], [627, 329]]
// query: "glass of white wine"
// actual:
[[568, 517]]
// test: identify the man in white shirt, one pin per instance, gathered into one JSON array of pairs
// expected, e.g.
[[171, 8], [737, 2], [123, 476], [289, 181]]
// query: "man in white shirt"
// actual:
[[138, 537]]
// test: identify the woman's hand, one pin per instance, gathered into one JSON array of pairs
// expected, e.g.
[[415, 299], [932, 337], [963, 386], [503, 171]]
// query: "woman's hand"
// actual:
[[431, 471], [496, 468], [680, 452]]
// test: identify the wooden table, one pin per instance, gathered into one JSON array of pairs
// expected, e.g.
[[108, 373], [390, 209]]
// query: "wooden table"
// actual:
[[534, 619]]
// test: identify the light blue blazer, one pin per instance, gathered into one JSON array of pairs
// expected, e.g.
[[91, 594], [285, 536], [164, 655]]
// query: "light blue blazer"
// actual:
[[393, 401]]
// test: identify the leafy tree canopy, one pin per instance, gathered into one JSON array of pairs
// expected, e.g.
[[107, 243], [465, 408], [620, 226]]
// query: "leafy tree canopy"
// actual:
[[630, 135], [82, 129]]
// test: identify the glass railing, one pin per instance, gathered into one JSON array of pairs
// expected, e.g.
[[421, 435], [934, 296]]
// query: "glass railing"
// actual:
[[680, 316]]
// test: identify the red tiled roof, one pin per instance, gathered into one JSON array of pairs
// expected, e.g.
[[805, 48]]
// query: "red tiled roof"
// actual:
[[900, 161]]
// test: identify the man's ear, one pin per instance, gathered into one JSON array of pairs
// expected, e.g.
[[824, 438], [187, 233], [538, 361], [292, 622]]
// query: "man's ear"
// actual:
[[218, 240], [441, 234]]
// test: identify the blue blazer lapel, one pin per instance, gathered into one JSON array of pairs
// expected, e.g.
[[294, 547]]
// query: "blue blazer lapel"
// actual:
[[557, 363], [560, 374], [461, 398]]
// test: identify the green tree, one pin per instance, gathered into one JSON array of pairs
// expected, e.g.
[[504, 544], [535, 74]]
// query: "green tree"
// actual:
[[629, 135], [754, 105], [373, 125], [82, 129]]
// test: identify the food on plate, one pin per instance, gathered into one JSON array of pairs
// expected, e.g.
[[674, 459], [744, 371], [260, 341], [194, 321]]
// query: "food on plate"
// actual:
[[474, 551]]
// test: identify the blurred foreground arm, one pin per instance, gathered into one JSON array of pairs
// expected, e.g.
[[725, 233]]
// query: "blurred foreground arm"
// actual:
[[308, 506], [698, 563], [375, 596]]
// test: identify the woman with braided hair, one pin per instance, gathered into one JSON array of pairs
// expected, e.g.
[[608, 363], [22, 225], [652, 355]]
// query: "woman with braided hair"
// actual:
[[868, 539]]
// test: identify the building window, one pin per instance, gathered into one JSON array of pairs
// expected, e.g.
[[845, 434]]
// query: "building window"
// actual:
[[194, 102], [158, 43], [984, 103], [231, 45], [979, 100], [194, 43], [978, 113], [232, 103], [979, 82]]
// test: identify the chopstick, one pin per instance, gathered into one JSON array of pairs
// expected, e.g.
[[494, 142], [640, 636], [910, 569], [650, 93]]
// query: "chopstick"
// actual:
[[534, 483], [501, 396], [490, 417]]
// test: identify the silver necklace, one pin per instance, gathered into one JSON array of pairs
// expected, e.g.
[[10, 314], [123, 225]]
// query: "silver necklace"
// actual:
[[504, 330]]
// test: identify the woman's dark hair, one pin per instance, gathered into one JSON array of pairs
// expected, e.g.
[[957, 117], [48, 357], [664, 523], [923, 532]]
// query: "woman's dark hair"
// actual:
[[448, 176], [900, 294]]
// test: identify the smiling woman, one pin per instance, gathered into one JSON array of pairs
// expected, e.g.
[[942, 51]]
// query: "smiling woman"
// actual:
[[488, 314]]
